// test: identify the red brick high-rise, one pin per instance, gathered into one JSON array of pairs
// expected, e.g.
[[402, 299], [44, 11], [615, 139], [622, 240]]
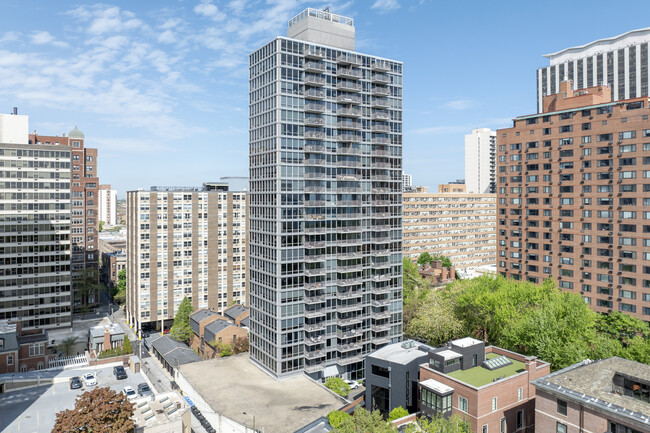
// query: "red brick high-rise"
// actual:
[[573, 198], [84, 203]]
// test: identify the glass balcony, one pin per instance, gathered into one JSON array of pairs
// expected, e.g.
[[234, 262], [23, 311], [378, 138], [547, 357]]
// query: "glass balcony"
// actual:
[[347, 98], [311, 148], [349, 59], [349, 112], [319, 326], [313, 121], [349, 86], [348, 124], [314, 94], [381, 115], [316, 67], [315, 53], [348, 294], [381, 78], [311, 314], [348, 138], [315, 354], [314, 299], [350, 359], [380, 140], [314, 108], [311, 80], [380, 65], [380, 102], [349, 73], [380, 90], [379, 127]]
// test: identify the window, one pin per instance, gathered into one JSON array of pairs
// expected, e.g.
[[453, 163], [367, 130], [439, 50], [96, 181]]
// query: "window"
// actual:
[[380, 371], [485, 428], [440, 404], [462, 403], [520, 420], [10, 360], [503, 425], [494, 404], [560, 428], [36, 349], [561, 407]]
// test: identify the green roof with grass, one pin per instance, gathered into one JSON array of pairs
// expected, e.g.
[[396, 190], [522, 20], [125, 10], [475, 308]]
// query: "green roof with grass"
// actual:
[[479, 376]]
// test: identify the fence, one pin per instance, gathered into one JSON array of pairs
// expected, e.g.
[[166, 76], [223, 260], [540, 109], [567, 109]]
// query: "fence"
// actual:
[[69, 361]]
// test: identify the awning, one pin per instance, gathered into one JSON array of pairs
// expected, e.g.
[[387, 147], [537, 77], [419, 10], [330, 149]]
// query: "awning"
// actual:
[[331, 371]]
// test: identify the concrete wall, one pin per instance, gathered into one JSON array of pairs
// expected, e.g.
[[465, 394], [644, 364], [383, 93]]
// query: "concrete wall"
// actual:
[[14, 129]]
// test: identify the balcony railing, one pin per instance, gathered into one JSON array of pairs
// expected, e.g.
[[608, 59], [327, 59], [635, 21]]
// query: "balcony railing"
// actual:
[[381, 78], [381, 115], [348, 124], [378, 127], [314, 67], [349, 138], [380, 90], [314, 121], [349, 112], [316, 108], [349, 99], [311, 80], [379, 65], [349, 86], [314, 94], [380, 102], [348, 73], [315, 53], [348, 59]]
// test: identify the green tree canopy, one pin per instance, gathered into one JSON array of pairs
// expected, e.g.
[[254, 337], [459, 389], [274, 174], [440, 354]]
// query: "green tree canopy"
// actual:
[[181, 330], [337, 385], [120, 295], [439, 424], [85, 283], [363, 421], [397, 413], [336, 418], [424, 259]]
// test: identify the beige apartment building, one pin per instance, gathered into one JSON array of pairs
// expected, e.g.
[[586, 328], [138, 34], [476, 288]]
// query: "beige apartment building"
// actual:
[[460, 226], [184, 242]]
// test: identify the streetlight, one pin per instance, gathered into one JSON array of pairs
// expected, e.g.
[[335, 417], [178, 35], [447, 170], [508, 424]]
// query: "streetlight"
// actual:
[[252, 416]]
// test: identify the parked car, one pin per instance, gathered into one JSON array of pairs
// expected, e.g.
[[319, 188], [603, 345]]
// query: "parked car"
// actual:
[[353, 384], [144, 390], [75, 382], [129, 393], [119, 372], [90, 379]]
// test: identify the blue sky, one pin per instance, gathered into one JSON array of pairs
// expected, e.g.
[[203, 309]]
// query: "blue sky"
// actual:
[[161, 87]]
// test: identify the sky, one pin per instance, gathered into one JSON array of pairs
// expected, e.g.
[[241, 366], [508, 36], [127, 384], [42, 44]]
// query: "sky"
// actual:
[[161, 87]]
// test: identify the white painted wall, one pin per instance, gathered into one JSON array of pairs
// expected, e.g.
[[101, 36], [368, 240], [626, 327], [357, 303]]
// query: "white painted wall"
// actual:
[[477, 160], [14, 128]]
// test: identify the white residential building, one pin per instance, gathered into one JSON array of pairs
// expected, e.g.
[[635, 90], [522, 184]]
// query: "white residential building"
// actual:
[[480, 161], [407, 181], [107, 205], [326, 197]]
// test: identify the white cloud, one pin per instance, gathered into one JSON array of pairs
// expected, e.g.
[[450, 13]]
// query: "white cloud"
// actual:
[[384, 6], [210, 11], [10, 37], [105, 19], [460, 104], [237, 6], [167, 37], [45, 38]]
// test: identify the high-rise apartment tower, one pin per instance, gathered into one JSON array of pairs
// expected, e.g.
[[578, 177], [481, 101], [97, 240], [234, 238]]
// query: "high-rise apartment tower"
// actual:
[[326, 183], [184, 241], [574, 198], [480, 161], [107, 205], [620, 62], [84, 205], [34, 229]]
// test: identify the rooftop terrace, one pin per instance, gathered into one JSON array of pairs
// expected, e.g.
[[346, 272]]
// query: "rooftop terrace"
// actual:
[[480, 376], [322, 14]]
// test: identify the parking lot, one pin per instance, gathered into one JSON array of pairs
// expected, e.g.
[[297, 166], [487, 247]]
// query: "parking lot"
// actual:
[[34, 409]]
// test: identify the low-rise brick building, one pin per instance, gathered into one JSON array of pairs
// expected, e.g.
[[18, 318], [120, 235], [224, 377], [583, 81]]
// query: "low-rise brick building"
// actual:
[[611, 395], [23, 350], [211, 328], [488, 386]]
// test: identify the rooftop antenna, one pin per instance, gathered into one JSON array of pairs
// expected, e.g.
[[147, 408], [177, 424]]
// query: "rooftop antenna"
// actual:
[[327, 9]]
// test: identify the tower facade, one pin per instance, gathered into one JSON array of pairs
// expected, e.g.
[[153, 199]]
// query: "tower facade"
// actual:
[[107, 205], [34, 230], [620, 62], [480, 161], [326, 201]]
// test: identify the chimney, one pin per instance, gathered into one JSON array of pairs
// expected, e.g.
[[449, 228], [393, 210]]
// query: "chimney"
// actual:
[[444, 275], [531, 366], [107, 339], [452, 273], [19, 327], [566, 88]]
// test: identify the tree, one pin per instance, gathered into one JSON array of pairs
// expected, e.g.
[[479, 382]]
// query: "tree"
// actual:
[[336, 418], [101, 410], [397, 413], [222, 349], [85, 283], [67, 345], [181, 330], [101, 225], [240, 345], [363, 421], [431, 319], [424, 259], [440, 424], [119, 295], [338, 385]]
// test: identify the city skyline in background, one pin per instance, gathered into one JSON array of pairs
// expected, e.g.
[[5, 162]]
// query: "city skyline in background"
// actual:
[[175, 79]]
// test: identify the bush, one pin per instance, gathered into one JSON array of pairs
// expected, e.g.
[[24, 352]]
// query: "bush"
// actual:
[[338, 385], [337, 417], [124, 349], [397, 413]]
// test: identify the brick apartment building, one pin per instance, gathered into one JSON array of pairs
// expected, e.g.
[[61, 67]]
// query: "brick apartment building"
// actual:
[[84, 201], [573, 187], [611, 395], [211, 328], [488, 386], [21, 349]]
